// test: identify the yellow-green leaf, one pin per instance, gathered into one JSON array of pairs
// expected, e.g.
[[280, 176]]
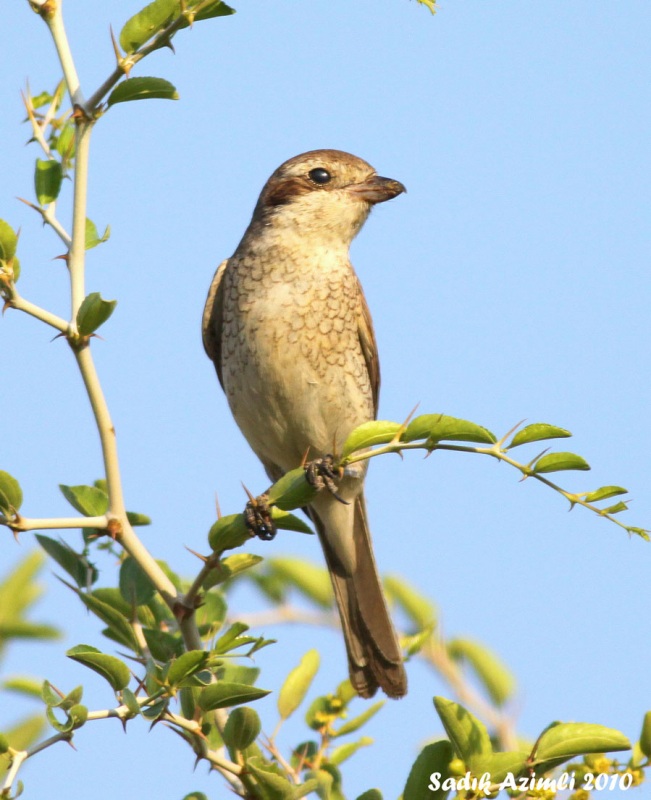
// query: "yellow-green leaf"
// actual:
[[297, 683], [557, 462], [369, 434], [142, 89], [537, 432]]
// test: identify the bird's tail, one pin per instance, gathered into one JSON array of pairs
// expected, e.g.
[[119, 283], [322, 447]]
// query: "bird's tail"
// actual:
[[374, 656]]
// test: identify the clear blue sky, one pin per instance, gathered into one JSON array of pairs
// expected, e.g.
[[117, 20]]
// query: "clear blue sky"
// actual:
[[511, 282]]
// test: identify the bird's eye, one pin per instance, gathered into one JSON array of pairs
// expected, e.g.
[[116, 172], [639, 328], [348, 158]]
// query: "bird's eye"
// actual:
[[319, 175]]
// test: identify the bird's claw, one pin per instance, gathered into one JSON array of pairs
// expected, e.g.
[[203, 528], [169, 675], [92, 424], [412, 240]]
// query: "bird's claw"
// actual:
[[257, 516], [322, 474]]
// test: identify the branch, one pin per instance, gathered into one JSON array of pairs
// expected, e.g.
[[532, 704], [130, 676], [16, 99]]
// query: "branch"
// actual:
[[22, 524], [18, 302]]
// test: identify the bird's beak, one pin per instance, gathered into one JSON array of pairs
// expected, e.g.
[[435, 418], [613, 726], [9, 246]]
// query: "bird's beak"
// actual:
[[376, 189]]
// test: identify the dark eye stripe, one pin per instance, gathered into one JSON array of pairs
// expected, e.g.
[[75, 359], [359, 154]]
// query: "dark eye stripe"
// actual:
[[319, 175]]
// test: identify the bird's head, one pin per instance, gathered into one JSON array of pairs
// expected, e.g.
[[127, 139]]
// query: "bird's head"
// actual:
[[323, 194]]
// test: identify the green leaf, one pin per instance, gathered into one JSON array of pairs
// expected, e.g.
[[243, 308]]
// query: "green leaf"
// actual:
[[65, 143], [297, 683], [23, 685], [136, 519], [370, 794], [11, 495], [418, 608], [467, 734], [369, 434], [273, 784], [47, 180], [144, 25], [4, 744], [536, 432], [209, 11], [496, 678], [615, 509], [25, 733], [645, 735], [16, 269], [291, 491], [345, 751], [499, 765], [130, 701], [87, 500], [289, 522], [229, 567], [156, 16], [242, 728], [311, 580], [356, 723], [93, 312], [110, 668], [238, 673], [557, 462], [569, 739], [19, 629], [439, 427], [162, 645], [225, 695], [320, 782], [113, 618], [603, 493], [8, 241], [185, 666], [135, 586], [92, 236], [228, 532], [433, 759], [75, 564], [195, 796], [142, 89]]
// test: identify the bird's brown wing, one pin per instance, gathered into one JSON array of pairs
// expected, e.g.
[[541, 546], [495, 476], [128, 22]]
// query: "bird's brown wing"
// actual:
[[369, 346], [211, 325]]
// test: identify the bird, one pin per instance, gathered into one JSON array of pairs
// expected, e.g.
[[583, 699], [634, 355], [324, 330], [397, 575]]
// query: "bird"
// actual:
[[290, 334]]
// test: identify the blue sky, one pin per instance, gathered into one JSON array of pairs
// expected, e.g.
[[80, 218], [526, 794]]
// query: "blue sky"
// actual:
[[510, 282]]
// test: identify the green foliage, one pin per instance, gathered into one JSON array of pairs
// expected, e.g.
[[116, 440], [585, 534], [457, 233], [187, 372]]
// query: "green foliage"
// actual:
[[11, 495], [155, 17], [142, 89], [297, 683], [93, 312], [493, 674], [92, 238], [47, 180]]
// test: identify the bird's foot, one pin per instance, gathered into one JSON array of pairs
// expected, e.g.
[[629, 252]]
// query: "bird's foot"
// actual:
[[257, 516], [322, 474]]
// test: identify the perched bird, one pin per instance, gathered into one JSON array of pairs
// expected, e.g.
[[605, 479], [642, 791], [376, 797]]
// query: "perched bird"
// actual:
[[289, 331]]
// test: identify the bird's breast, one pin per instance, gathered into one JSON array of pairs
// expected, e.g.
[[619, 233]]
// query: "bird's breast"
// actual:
[[292, 363]]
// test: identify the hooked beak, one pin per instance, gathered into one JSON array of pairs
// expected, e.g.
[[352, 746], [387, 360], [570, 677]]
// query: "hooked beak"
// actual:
[[376, 189]]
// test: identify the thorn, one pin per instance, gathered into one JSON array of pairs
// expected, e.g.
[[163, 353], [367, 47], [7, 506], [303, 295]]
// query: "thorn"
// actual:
[[198, 555], [403, 426], [116, 47], [508, 433], [70, 742], [31, 205], [304, 459], [58, 336], [217, 507], [248, 493], [61, 258], [540, 455], [7, 304]]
